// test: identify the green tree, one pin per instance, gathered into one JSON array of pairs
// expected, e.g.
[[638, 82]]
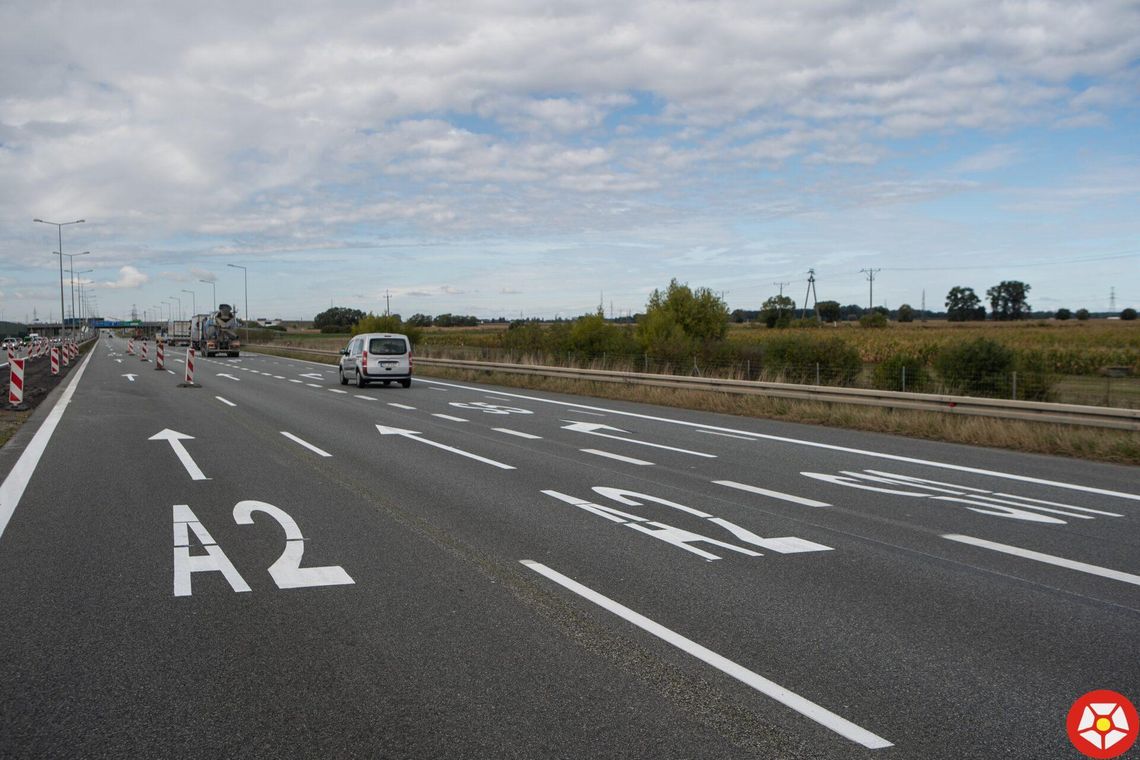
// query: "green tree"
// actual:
[[963, 305], [906, 313], [1082, 314], [1063, 314], [593, 335], [682, 319], [373, 323], [1008, 300], [777, 311], [1128, 314], [337, 319], [829, 311], [420, 320]]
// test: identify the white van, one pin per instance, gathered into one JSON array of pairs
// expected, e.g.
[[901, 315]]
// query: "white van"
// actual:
[[377, 357]]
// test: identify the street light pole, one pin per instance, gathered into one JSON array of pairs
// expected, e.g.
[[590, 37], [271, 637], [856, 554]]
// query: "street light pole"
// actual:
[[59, 229], [245, 305], [179, 300], [85, 271], [213, 285], [71, 268], [193, 301]]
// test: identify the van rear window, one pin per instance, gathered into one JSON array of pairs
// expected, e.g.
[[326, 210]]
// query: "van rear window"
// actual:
[[387, 347]]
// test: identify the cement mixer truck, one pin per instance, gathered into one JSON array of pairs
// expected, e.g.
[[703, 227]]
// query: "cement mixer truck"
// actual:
[[216, 333]]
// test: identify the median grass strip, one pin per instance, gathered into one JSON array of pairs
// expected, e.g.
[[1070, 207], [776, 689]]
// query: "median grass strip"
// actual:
[[1119, 446]]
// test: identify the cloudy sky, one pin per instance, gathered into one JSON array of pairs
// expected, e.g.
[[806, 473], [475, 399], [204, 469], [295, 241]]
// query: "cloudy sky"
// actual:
[[507, 157]]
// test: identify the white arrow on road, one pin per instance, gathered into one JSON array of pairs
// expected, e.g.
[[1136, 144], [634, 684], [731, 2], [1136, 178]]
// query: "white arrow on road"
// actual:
[[313, 376], [120, 361], [231, 377], [592, 428], [175, 438], [413, 435], [130, 377]]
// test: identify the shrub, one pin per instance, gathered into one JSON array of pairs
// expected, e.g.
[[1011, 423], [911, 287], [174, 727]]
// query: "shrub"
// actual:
[[390, 324], [796, 357], [888, 374], [1128, 314], [1064, 314], [1082, 314], [874, 319], [980, 367], [1035, 377]]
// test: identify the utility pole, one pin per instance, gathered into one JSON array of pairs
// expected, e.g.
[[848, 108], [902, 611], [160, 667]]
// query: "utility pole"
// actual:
[[1112, 299], [810, 293], [781, 285], [388, 302], [924, 304], [871, 279]]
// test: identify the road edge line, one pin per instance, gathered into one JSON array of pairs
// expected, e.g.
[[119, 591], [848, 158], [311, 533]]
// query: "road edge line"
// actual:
[[12, 489]]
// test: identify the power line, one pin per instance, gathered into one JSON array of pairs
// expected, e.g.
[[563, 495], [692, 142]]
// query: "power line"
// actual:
[[871, 279], [961, 266]]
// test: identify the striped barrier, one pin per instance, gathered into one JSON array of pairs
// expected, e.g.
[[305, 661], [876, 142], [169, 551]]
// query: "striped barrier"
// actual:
[[159, 356], [16, 382], [143, 353], [131, 346], [189, 366], [55, 360], [63, 352]]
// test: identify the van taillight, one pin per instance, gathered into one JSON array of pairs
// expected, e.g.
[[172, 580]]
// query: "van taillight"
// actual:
[[364, 361]]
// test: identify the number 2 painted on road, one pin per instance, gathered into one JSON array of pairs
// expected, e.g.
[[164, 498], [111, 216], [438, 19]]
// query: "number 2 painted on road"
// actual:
[[286, 571]]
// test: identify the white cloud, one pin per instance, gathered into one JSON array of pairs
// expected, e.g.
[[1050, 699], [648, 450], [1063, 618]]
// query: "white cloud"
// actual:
[[129, 278]]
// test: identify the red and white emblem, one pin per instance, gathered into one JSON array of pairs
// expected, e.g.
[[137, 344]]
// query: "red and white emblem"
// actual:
[[1102, 724]]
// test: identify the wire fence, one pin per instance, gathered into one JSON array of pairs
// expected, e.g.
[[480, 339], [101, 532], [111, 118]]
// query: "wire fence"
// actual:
[[1118, 388]]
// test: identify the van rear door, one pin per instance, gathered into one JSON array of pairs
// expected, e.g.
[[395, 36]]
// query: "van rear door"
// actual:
[[388, 357]]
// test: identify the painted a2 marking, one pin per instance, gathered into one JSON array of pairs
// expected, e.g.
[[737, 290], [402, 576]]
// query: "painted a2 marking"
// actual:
[[286, 571]]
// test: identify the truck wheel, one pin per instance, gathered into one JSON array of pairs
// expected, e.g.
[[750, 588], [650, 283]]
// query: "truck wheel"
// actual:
[[360, 381]]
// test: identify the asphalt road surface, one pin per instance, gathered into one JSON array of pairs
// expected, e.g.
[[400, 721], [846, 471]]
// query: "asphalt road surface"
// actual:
[[276, 565]]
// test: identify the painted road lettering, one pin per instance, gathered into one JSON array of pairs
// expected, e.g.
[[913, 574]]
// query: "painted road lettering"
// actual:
[[483, 406], [977, 500], [286, 572], [681, 538]]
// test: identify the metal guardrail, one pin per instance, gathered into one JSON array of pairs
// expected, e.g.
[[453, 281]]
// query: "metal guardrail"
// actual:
[[1035, 411]]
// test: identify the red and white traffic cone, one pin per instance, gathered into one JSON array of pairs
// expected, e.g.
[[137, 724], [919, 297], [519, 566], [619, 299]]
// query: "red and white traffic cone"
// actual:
[[143, 353], [159, 356], [189, 366], [130, 346], [16, 382], [55, 360]]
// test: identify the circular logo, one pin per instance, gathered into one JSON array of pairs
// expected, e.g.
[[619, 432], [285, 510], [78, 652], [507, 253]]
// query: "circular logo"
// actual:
[[1102, 724]]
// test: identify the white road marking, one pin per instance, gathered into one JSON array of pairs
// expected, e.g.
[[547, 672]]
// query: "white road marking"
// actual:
[[816, 444], [366, 398], [337, 390], [298, 382], [518, 433], [314, 385], [12, 490], [306, 444], [773, 494], [442, 390], [592, 428], [412, 435], [130, 377], [728, 435], [1049, 559], [449, 417], [278, 377], [400, 406], [786, 697], [619, 457], [231, 377], [592, 414], [225, 401], [175, 439]]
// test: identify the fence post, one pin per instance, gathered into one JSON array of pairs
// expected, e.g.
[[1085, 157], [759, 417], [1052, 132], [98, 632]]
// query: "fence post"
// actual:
[[817, 373], [747, 369], [1014, 396], [904, 379], [646, 370]]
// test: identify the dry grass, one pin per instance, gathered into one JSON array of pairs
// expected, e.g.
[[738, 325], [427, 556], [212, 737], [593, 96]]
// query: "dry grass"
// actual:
[[10, 422], [1063, 440]]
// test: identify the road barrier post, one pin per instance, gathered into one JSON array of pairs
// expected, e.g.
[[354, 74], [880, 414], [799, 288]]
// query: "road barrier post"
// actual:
[[16, 383], [189, 366], [131, 346], [65, 354], [143, 353], [159, 356], [55, 360]]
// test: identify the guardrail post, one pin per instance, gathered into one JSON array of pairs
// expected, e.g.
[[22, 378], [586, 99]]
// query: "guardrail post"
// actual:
[[904, 379], [817, 373], [1014, 396]]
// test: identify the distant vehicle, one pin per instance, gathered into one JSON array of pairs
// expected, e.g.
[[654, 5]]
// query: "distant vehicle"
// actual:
[[178, 332], [216, 333], [377, 357], [10, 343], [34, 338]]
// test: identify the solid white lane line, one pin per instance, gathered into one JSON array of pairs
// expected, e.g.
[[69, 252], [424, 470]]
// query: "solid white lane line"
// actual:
[[337, 390], [449, 417], [817, 445], [400, 406], [802, 705], [619, 457], [518, 433], [225, 401], [366, 398], [442, 390], [278, 377], [1048, 559], [12, 490], [728, 435], [773, 494], [306, 444]]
